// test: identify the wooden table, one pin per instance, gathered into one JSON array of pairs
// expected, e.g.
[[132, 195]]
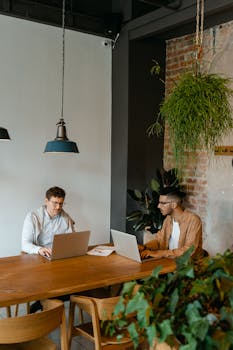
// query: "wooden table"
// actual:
[[31, 277]]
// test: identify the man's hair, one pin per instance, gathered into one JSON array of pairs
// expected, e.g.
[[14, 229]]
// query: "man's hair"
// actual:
[[55, 192], [173, 192]]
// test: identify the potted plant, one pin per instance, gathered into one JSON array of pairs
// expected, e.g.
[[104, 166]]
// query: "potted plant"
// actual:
[[189, 309], [147, 216]]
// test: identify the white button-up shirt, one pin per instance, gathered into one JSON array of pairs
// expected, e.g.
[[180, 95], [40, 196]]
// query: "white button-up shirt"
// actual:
[[39, 229]]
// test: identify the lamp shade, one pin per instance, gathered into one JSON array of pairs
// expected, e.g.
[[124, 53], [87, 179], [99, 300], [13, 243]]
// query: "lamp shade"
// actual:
[[59, 146], [4, 134]]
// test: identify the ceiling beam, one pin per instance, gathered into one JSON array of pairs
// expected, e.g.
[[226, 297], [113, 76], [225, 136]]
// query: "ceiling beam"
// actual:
[[174, 5], [165, 21]]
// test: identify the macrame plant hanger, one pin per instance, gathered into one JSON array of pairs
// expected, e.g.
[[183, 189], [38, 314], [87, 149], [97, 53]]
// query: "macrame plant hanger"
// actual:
[[199, 35]]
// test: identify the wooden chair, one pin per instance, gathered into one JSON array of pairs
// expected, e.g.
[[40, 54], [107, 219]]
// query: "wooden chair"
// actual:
[[29, 331], [99, 310], [13, 310]]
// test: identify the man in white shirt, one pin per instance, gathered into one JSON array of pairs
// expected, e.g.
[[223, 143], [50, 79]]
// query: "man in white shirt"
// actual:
[[40, 225]]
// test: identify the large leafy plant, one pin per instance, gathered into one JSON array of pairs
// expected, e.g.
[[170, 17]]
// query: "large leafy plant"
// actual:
[[147, 215], [191, 307], [197, 111]]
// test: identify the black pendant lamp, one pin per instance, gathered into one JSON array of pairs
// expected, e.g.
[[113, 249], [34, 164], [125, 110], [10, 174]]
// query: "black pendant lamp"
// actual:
[[4, 134], [61, 143]]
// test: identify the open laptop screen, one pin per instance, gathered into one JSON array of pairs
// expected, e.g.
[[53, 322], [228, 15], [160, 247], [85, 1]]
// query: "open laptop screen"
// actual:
[[67, 245], [126, 245]]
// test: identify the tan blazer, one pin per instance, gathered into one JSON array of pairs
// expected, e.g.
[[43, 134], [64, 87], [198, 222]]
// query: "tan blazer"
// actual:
[[190, 234]]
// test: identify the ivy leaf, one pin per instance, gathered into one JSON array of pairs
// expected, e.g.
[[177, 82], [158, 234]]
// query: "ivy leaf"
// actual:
[[230, 295], [137, 304], [184, 264], [128, 287], [220, 273], [156, 271], [133, 334], [143, 314], [186, 271], [198, 325], [202, 287], [174, 300], [191, 342], [192, 312], [165, 329], [200, 328], [184, 259], [119, 308], [127, 290], [151, 332], [121, 324], [227, 315]]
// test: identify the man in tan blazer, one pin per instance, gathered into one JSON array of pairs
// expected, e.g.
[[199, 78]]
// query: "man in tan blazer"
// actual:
[[181, 229]]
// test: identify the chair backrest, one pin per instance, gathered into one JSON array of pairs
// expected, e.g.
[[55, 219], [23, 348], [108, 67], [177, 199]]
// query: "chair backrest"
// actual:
[[105, 307], [99, 310], [33, 326]]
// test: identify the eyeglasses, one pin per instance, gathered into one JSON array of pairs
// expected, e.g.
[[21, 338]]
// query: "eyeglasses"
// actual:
[[164, 203], [55, 204]]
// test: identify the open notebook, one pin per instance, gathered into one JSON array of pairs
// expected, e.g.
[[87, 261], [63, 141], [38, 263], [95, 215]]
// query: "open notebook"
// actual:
[[126, 245], [67, 245]]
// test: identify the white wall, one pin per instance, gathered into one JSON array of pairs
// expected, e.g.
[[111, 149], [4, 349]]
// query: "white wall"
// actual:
[[30, 103], [220, 172]]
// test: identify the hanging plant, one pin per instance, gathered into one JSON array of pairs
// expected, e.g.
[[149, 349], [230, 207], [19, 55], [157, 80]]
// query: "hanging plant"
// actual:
[[197, 110], [198, 113]]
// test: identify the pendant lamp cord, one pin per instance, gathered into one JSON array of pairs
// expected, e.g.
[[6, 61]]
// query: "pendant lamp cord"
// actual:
[[199, 31], [63, 57]]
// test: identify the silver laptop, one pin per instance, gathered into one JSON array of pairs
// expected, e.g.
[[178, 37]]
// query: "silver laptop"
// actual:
[[126, 245], [67, 245]]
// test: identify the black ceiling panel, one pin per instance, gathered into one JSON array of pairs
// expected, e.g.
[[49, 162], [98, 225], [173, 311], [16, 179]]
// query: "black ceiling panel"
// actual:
[[91, 16]]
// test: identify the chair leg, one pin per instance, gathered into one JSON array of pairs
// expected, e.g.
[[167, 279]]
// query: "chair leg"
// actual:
[[70, 323], [80, 316], [63, 333], [28, 307], [8, 311], [16, 310]]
